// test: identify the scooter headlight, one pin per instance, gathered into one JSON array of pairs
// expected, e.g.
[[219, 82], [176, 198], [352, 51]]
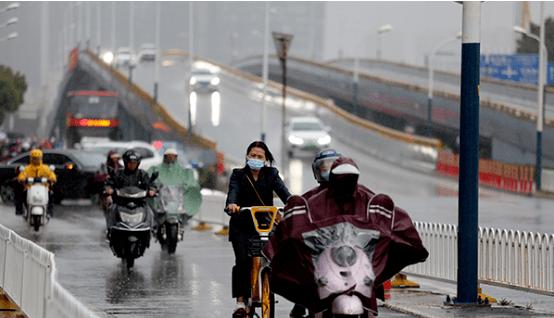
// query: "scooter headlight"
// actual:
[[131, 219], [344, 256]]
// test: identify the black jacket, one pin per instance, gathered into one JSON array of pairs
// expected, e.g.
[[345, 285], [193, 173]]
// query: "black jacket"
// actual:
[[242, 194], [123, 178]]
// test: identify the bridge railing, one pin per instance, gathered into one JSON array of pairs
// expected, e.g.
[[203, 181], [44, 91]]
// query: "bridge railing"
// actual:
[[28, 276], [380, 141], [510, 258]]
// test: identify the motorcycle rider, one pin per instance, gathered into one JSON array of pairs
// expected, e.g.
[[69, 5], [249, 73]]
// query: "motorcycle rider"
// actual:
[[130, 175], [35, 169], [398, 245], [172, 173], [112, 162], [321, 167]]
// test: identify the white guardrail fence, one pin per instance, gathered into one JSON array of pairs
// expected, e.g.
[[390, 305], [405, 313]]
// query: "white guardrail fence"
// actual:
[[515, 259], [28, 276]]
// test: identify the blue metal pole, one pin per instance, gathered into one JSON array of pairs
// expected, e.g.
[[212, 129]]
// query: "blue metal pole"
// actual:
[[469, 156], [538, 161], [543, 56]]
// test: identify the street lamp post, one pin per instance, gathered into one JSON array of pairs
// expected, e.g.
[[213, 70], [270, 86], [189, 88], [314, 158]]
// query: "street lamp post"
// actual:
[[158, 50], [191, 61], [543, 55], [131, 39], [380, 30], [98, 27], [282, 44], [265, 68], [468, 196], [431, 75]]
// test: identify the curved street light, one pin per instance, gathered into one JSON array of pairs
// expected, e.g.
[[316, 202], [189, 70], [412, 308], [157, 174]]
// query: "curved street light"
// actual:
[[380, 30], [431, 78], [9, 22], [11, 36], [543, 57], [11, 6]]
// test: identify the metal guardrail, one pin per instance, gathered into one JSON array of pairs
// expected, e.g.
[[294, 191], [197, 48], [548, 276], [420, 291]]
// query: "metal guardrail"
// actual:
[[509, 258], [28, 276]]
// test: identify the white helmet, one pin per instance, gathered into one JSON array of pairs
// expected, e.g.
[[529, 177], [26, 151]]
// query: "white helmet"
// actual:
[[170, 151]]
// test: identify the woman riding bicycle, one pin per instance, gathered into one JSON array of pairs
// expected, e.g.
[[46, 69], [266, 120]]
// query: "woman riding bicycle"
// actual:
[[252, 185]]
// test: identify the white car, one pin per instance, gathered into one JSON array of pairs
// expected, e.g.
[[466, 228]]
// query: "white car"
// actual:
[[150, 156], [306, 134], [147, 53], [204, 79], [124, 57]]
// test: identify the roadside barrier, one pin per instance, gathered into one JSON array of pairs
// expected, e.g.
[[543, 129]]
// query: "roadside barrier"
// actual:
[[509, 258], [495, 174], [28, 276], [211, 211]]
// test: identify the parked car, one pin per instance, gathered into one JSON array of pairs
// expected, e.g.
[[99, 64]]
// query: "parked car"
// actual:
[[74, 169], [306, 134], [147, 53], [124, 57], [150, 156]]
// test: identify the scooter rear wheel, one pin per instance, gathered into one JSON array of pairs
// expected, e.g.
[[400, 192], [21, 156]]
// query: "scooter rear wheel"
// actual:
[[172, 230], [36, 222], [130, 262]]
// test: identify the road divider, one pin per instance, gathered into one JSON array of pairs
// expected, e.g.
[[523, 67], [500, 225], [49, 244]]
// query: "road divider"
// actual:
[[495, 174]]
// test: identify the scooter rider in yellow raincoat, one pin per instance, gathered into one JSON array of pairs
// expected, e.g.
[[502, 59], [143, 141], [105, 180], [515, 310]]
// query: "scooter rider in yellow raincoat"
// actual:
[[36, 169]]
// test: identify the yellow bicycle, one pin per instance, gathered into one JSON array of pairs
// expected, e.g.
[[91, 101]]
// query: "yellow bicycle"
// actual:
[[264, 219]]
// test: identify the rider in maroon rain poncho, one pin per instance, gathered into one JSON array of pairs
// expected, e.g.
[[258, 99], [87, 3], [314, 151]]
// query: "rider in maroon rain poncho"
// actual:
[[398, 245]]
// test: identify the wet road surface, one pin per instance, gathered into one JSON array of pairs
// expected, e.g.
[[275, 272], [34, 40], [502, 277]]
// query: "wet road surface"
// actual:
[[195, 282]]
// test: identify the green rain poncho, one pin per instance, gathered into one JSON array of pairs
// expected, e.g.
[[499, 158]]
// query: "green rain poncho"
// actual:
[[174, 175]]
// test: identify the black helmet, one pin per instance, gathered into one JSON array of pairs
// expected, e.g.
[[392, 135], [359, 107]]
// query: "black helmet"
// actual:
[[131, 155], [327, 157]]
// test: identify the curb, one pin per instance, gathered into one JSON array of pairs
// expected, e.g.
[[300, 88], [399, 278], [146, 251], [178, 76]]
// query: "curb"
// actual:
[[408, 310]]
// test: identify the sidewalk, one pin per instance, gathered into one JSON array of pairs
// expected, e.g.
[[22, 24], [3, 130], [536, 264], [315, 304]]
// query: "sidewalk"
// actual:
[[428, 302]]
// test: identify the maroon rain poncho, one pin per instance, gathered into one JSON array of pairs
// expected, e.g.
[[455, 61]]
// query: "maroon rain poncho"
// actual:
[[310, 222]]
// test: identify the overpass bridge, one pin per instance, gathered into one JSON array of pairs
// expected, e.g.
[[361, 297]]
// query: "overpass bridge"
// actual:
[[395, 95], [140, 116]]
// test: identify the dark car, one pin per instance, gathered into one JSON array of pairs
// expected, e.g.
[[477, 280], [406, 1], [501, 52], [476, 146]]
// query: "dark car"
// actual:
[[75, 170]]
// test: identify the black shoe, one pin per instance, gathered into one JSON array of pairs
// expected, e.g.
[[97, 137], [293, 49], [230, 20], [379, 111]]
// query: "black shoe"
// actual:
[[239, 313], [18, 212]]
